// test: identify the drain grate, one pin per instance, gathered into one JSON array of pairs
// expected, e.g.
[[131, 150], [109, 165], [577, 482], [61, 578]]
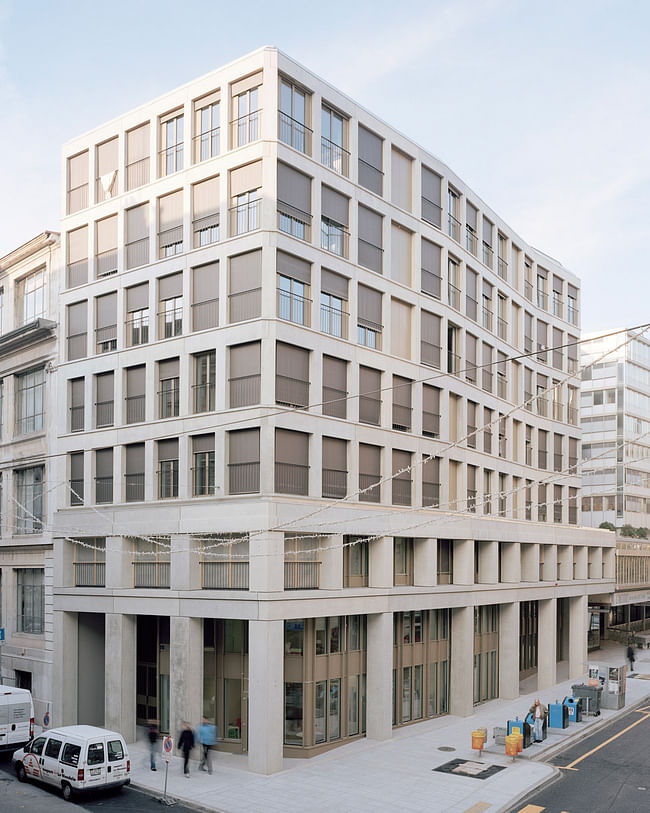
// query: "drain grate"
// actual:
[[446, 748], [466, 767]]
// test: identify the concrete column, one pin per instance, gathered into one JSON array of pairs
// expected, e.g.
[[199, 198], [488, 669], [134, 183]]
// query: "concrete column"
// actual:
[[549, 571], [380, 562], [577, 636], [609, 563], [565, 562], [379, 701], [66, 656], [461, 685], [331, 573], [546, 643], [266, 568], [530, 562], [185, 568], [425, 562], [509, 651], [265, 696], [63, 563], [488, 562], [580, 560], [511, 562], [185, 671], [118, 562], [595, 562], [119, 676], [463, 561]]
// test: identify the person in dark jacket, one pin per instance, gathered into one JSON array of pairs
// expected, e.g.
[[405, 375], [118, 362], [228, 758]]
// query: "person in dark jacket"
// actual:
[[630, 655], [153, 734], [186, 743]]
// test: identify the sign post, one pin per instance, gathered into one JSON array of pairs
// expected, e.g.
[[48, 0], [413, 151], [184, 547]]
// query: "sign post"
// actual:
[[2, 640], [167, 749]]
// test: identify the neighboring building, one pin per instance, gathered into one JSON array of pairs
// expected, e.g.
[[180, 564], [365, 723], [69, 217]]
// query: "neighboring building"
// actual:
[[273, 301], [28, 351], [615, 419]]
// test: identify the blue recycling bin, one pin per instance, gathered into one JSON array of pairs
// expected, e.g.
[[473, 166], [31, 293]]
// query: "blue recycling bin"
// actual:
[[530, 719], [574, 704], [558, 715], [524, 728]]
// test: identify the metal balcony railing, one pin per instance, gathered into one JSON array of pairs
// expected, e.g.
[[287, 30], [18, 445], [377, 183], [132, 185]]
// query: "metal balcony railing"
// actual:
[[135, 408], [430, 495], [502, 268], [206, 144], [134, 487], [402, 418], [558, 411], [224, 575], [528, 401], [170, 323], [502, 386], [502, 328], [293, 308], [203, 397], [301, 575], [370, 176], [245, 217], [106, 339], [106, 263], [244, 478], [369, 409], [245, 390], [205, 314], [137, 253], [294, 221], [529, 455], [471, 307], [487, 379], [557, 462], [205, 230], [294, 133], [430, 424], [90, 574], [528, 290], [453, 227], [246, 128], [471, 436], [471, 240], [334, 238], [557, 305], [431, 212], [572, 314], [137, 331], [170, 242], [76, 492], [77, 418], [557, 515], [431, 283], [333, 321], [245, 305], [77, 273], [291, 391], [488, 255], [572, 416], [542, 299], [103, 489], [453, 296], [542, 459], [334, 402], [77, 346], [77, 198], [104, 413], [291, 478], [401, 492], [168, 400], [487, 441], [453, 363], [370, 256], [370, 482], [542, 405], [335, 157], [471, 372], [335, 483], [203, 480], [168, 480], [170, 159], [471, 500], [151, 574], [137, 173], [487, 318]]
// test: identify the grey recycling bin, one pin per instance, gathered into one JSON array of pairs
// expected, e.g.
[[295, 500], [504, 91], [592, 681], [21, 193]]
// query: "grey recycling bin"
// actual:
[[590, 697]]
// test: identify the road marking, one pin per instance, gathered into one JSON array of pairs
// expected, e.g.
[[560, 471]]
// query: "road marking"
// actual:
[[479, 807], [531, 809], [603, 744]]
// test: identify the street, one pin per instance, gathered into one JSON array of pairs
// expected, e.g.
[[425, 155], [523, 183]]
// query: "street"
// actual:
[[608, 771], [34, 798]]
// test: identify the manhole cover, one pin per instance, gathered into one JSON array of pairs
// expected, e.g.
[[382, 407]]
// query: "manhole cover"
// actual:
[[465, 767], [446, 748]]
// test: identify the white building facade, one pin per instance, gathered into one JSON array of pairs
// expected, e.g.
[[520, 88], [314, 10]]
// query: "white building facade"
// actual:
[[318, 461], [29, 278]]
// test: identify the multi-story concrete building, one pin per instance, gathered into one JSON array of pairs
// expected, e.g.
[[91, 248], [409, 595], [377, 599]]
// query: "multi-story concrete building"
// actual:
[[318, 461], [615, 418], [29, 292]]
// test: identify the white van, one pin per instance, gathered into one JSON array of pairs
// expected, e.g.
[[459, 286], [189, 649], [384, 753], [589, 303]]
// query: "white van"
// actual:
[[16, 717], [75, 758]]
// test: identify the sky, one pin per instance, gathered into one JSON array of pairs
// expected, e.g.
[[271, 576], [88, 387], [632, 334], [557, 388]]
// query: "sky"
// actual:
[[542, 108]]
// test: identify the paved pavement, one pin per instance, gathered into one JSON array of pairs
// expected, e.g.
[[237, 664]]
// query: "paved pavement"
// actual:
[[397, 775]]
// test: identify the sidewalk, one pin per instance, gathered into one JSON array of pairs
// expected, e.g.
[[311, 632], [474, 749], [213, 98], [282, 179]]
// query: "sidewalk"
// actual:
[[397, 775]]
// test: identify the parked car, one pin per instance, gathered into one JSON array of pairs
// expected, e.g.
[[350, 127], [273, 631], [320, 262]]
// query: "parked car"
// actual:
[[16, 717], [75, 758]]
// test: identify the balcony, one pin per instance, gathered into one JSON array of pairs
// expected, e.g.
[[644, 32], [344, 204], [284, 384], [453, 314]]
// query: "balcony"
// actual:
[[170, 242], [294, 133], [137, 331], [502, 268], [89, 574], [293, 308], [401, 492], [301, 575], [137, 253], [246, 129], [76, 492], [244, 390], [471, 240], [430, 495], [333, 321], [453, 296], [137, 173], [203, 397], [134, 487], [135, 408], [151, 574], [106, 263], [206, 145], [224, 575], [291, 478], [106, 339], [453, 227], [104, 414], [487, 318], [335, 483], [488, 255], [77, 198], [245, 217], [77, 418], [244, 478], [205, 314], [430, 424], [431, 212], [77, 273], [369, 487], [334, 157], [401, 418], [370, 256], [205, 230], [294, 221], [293, 392], [170, 323], [103, 489]]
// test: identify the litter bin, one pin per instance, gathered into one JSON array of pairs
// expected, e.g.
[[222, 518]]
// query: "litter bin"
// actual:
[[574, 704], [518, 726], [530, 719], [590, 696], [558, 715]]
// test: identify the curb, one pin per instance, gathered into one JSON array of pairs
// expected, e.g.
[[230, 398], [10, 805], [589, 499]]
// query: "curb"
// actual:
[[177, 800], [542, 783]]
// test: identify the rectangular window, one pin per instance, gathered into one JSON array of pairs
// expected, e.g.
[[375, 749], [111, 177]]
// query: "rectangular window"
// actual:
[[369, 396], [401, 171], [167, 468], [135, 400], [137, 236], [401, 477], [77, 330], [171, 144], [400, 342], [104, 476], [334, 222], [106, 247], [77, 268], [77, 403], [29, 496], [369, 327], [402, 403], [294, 277], [370, 160], [245, 286], [369, 472], [334, 394], [335, 468], [246, 118], [291, 462], [30, 402], [488, 237], [170, 224], [77, 478], [431, 201], [106, 323], [170, 314], [453, 212], [370, 240], [104, 399], [205, 296], [334, 141], [30, 610], [244, 461], [245, 184], [203, 465], [293, 713], [355, 562], [134, 472], [292, 376], [294, 202], [205, 213], [137, 306], [204, 381], [137, 156], [333, 302], [294, 117], [77, 182], [430, 482], [245, 374], [31, 298], [207, 127], [430, 341], [431, 275], [169, 388]]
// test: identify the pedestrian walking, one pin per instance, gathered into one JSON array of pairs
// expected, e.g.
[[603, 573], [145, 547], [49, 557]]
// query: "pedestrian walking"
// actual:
[[207, 737], [539, 712], [186, 743], [153, 735], [630, 656]]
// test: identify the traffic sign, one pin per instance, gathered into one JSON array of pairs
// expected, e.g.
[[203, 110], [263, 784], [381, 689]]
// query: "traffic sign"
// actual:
[[46, 719], [2, 635], [167, 747]]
